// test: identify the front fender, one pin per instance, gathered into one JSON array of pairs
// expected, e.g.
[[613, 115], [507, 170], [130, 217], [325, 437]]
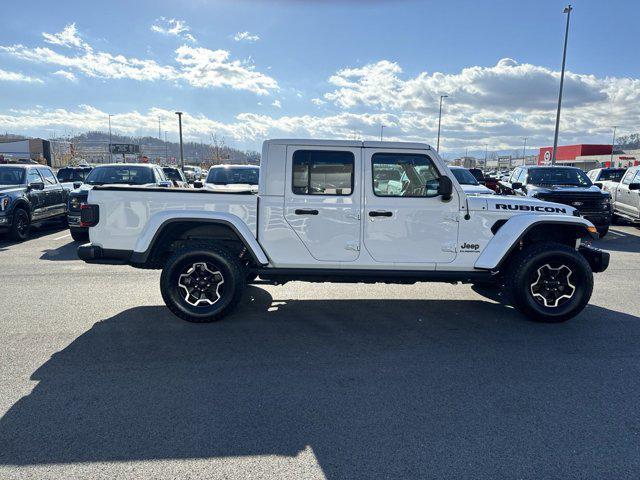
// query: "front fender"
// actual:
[[508, 236], [158, 221]]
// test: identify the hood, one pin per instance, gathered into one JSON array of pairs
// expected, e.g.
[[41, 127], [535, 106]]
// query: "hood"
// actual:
[[477, 190], [235, 187], [11, 188], [561, 189], [509, 204]]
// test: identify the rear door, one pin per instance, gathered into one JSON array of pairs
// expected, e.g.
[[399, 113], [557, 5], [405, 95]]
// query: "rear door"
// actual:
[[405, 221], [322, 200], [54, 198]]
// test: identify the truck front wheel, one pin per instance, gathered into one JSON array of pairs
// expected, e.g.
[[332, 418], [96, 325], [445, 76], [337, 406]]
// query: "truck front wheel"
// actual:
[[202, 282], [549, 282]]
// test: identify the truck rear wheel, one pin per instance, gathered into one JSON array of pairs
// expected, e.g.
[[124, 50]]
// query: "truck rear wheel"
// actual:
[[549, 282], [202, 282]]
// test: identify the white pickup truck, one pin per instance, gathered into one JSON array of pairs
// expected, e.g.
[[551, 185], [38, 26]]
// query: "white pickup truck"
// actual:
[[625, 195], [324, 212]]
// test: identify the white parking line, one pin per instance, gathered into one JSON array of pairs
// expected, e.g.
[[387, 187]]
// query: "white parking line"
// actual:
[[63, 236]]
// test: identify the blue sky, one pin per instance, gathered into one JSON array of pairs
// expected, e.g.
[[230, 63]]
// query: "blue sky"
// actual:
[[245, 70]]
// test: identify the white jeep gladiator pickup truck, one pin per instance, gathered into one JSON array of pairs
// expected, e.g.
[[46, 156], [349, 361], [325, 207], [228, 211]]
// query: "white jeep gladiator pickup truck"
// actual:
[[324, 212]]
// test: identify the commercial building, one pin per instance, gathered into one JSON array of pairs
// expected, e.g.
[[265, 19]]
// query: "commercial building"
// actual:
[[35, 149], [588, 156]]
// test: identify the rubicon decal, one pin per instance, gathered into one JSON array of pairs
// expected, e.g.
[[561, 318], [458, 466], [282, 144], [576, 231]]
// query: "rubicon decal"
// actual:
[[530, 208]]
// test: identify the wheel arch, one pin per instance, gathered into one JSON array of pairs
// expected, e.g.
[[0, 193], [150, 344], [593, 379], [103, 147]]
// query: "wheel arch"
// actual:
[[521, 230], [155, 245], [20, 203]]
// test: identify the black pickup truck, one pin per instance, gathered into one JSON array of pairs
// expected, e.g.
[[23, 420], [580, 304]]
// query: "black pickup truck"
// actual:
[[567, 185], [29, 195]]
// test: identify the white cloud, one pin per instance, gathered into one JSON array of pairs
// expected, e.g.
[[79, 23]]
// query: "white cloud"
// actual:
[[246, 37], [199, 67], [172, 27], [318, 101], [203, 67], [6, 76], [68, 37], [65, 74], [276, 103]]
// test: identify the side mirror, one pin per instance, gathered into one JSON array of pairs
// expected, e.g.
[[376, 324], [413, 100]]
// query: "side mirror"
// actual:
[[77, 185], [197, 184], [599, 185], [36, 186], [516, 185], [634, 186], [445, 188]]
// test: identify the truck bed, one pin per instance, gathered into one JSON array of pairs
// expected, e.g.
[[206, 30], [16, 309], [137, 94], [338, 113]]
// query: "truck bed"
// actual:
[[129, 215]]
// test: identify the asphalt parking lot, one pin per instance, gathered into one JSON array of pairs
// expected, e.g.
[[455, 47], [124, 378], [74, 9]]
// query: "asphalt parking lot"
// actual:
[[99, 380]]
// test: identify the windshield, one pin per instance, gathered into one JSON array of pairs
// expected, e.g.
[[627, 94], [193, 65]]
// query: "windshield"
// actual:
[[614, 174], [120, 174], [559, 176], [11, 175], [72, 175], [464, 176], [233, 176], [173, 174]]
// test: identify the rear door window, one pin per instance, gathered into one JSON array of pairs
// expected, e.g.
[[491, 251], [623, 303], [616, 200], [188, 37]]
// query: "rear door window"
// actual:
[[321, 172]]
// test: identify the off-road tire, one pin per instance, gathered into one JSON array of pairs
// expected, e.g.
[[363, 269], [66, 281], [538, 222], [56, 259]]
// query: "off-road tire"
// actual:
[[217, 259], [21, 224], [526, 264], [79, 236], [602, 231]]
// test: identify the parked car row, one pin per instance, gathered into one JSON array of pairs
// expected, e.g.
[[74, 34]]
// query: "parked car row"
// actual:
[[31, 194]]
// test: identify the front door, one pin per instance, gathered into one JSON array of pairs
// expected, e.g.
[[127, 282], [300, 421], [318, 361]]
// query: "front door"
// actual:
[[405, 221], [322, 200]]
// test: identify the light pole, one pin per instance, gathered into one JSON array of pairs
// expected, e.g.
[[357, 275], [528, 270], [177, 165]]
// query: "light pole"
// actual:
[[439, 122], [381, 131], [180, 130], [524, 150], [166, 149], [110, 154], [566, 10], [486, 148], [613, 142]]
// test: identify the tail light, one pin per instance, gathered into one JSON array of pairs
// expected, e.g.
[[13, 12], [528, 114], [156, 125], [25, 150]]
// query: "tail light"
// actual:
[[89, 215]]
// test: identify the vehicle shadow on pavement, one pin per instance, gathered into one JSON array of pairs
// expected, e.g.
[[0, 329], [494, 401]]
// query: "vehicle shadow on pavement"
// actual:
[[376, 388], [65, 253], [36, 232]]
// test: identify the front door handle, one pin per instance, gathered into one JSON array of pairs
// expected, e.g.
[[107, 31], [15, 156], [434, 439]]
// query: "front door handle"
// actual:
[[305, 211], [380, 213]]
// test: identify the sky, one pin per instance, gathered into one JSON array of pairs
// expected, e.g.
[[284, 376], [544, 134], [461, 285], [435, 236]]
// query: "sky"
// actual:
[[248, 70]]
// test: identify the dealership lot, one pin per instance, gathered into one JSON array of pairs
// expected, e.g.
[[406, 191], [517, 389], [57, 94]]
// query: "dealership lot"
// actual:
[[99, 380]]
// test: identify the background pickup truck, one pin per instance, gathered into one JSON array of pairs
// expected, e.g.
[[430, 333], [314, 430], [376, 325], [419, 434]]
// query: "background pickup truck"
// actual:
[[29, 195], [625, 195], [324, 211]]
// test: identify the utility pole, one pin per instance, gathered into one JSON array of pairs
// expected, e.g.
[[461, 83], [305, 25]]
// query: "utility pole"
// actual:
[[180, 130], [439, 122], [110, 154], [613, 143], [566, 10], [486, 148], [381, 130], [159, 129], [524, 149]]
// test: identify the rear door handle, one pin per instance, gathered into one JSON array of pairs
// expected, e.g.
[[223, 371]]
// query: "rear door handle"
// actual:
[[380, 213], [304, 211]]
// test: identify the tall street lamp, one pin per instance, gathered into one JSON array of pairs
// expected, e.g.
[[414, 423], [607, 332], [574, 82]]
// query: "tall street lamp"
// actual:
[[110, 154], [166, 149], [381, 131], [613, 143], [524, 150], [439, 122], [566, 10], [180, 130]]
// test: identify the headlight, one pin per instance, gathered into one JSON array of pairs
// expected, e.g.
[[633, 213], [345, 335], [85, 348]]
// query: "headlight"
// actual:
[[74, 203], [4, 203]]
